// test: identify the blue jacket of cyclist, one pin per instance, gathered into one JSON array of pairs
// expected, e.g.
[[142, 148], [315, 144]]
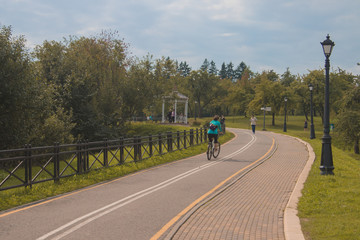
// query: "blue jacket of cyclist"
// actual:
[[214, 131]]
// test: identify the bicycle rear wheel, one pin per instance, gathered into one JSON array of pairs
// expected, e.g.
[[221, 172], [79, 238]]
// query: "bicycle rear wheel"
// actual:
[[209, 152], [216, 152]]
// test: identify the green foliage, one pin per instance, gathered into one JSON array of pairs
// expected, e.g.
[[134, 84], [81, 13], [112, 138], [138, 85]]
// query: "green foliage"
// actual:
[[27, 101], [195, 124], [269, 93], [88, 87], [57, 128], [16, 89], [348, 120], [95, 85]]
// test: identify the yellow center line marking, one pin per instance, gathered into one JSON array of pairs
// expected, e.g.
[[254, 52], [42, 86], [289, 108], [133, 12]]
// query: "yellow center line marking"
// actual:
[[183, 212]]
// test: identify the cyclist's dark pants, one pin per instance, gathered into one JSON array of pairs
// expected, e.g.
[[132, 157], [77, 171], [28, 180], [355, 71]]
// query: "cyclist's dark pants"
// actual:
[[211, 136]]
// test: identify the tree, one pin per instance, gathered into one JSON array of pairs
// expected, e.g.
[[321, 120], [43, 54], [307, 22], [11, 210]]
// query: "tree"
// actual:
[[301, 96], [239, 71], [230, 71], [272, 76], [184, 69], [238, 98], [29, 112], [203, 87], [205, 65], [213, 70], [16, 101], [287, 78], [340, 83], [268, 93], [316, 78], [95, 85], [348, 120], [223, 71]]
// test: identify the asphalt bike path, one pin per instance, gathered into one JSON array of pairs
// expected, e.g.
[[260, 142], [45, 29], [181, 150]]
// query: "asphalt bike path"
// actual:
[[148, 204]]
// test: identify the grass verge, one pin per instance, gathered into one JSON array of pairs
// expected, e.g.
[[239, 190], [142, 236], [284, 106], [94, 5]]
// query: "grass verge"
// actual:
[[330, 205]]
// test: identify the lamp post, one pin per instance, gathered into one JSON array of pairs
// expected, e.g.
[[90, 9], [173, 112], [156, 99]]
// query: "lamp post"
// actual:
[[326, 165], [285, 99], [312, 130], [195, 109], [264, 129]]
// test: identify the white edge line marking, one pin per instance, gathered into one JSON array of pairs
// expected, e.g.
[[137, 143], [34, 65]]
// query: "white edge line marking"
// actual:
[[122, 202]]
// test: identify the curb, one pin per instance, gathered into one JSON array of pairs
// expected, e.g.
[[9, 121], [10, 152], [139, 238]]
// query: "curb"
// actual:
[[292, 227]]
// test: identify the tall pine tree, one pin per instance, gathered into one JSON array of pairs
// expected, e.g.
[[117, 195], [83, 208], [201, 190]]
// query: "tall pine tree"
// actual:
[[213, 70], [230, 71], [239, 71], [205, 65], [223, 71], [184, 69]]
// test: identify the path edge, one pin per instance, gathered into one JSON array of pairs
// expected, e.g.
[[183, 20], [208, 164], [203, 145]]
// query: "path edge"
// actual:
[[292, 226]]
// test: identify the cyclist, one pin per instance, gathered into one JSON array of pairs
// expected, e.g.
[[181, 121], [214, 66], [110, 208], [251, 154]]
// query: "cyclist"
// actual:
[[213, 130]]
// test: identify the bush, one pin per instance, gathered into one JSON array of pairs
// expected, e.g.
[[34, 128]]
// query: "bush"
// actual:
[[196, 124]]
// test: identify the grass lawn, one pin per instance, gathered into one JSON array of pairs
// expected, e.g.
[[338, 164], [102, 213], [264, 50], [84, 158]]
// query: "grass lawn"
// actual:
[[330, 205]]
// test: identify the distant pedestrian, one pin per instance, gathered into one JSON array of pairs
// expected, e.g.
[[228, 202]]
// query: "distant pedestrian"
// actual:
[[169, 116], [305, 125], [253, 120], [173, 116], [222, 121]]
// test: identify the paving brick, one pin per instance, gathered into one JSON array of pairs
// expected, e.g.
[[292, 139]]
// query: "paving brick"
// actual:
[[253, 207]]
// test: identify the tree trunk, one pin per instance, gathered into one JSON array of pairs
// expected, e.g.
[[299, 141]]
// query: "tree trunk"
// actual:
[[273, 119], [356, 146]]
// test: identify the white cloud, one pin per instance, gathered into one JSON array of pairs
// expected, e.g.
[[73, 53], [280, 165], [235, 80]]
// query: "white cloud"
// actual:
[[264, 34], [227, 34]]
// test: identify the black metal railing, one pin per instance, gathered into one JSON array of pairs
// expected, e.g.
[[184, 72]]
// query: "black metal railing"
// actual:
[[30, 165]]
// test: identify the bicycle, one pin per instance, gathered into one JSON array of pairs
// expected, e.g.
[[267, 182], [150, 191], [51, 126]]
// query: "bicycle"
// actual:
[[211, 151]]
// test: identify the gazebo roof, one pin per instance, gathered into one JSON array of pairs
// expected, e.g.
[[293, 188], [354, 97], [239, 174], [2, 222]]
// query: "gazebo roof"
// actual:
[[177, 95]]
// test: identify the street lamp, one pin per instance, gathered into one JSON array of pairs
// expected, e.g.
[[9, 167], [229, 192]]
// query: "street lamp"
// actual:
[[195, 109], [326, 165], [312, 130], [285, 99]]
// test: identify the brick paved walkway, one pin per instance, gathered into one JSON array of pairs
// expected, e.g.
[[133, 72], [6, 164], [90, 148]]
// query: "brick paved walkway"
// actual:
[[253, 207]]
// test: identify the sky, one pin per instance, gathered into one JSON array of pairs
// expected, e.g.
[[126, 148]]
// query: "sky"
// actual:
[[265, 34]]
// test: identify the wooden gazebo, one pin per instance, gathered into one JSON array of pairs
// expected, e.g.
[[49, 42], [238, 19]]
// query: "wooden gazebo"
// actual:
[[177, 98]]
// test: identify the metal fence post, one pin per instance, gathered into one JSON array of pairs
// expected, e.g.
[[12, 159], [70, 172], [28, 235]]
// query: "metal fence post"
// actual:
[[139, 148], [86, 156], [121, 143], [191, 137], [28, 166], [150, 146], [184, 139], [201, 135], [79, 157], [178, 140], [56, 162], [197, 136], [106, 146], [169, 141], [160, 143], [134, 148]]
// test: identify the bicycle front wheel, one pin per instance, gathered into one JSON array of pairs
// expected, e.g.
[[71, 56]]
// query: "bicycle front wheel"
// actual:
[[217, 151], [209, 152]]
